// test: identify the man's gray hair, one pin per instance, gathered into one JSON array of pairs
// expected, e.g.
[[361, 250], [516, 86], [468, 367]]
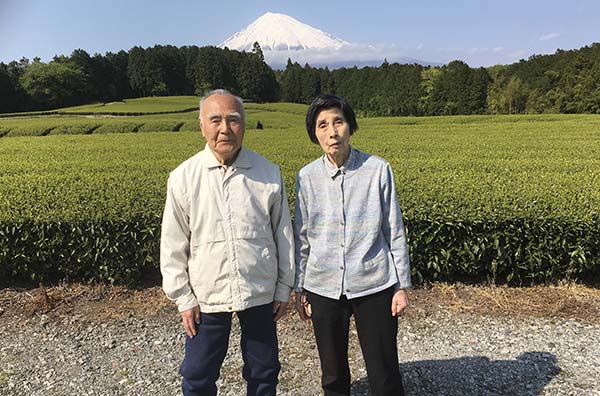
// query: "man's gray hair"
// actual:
[[221, 92]]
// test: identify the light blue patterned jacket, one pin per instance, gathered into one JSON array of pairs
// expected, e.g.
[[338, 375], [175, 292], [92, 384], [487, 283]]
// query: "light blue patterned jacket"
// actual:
[[348, 229]]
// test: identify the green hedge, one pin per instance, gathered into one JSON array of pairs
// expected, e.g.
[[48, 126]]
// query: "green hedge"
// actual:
[[161, 126], [109, 251], [484, 198], [75, 129], [520, 252], [117, 126]]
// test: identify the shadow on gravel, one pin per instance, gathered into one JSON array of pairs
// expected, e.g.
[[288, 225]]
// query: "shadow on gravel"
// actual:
[[527, 375]]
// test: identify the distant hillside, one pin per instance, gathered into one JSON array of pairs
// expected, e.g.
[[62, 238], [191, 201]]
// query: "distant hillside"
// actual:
[[565, 82]]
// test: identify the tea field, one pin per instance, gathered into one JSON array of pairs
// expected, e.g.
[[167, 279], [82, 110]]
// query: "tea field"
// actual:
[[485, 198]]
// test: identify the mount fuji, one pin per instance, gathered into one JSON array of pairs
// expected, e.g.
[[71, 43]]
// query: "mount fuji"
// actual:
[[282, 37], [281, 32]]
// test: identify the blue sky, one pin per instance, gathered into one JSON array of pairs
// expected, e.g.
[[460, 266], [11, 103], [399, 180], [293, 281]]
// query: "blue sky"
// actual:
[[481, 33]]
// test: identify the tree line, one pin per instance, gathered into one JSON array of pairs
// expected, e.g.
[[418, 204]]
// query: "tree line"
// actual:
[[563, 82], [157, 71]]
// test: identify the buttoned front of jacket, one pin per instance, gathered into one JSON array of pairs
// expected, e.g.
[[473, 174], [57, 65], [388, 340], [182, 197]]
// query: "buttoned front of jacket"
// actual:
[[349, 234], [226, 240]]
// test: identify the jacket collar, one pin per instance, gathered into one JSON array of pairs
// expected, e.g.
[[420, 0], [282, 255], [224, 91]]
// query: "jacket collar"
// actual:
[[209, 160], [348, 166]]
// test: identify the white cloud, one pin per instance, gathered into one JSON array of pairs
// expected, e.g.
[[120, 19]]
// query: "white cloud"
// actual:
[[347, 53], [519, 54], [549, 36], [498, 49], [476, 50]]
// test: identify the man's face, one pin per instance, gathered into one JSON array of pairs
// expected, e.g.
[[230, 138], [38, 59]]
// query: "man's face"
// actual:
[[222, 126]]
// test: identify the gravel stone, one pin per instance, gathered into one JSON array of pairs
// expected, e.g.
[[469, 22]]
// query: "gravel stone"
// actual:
[[441, 353]]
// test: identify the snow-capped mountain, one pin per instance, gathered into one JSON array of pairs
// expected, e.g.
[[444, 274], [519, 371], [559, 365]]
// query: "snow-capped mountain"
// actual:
[[281, 32], [282, 37]]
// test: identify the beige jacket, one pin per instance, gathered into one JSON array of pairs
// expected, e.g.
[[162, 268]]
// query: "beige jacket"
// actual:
[[226, 241]]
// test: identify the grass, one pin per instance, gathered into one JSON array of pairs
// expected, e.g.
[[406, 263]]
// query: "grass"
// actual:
[[103, 302]]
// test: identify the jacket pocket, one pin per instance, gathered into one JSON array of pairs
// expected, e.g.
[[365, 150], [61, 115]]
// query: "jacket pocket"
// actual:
[[216, 234], [257, 256], [253, 232], [378, 264]]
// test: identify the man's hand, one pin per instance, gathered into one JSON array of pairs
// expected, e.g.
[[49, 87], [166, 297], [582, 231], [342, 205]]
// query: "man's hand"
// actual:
[[279, 309], [303, 307], [189, 319], [399, 302]]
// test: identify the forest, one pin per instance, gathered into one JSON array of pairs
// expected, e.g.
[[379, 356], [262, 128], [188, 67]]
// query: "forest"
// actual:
[[563, 82]]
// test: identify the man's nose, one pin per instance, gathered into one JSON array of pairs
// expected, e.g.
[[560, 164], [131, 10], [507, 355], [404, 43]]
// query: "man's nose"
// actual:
[[224, 126]]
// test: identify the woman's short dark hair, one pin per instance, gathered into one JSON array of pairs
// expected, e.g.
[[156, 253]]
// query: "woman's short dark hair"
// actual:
[[325, 102]]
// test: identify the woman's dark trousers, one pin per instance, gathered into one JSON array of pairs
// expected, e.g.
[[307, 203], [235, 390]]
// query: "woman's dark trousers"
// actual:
[[377, 330]]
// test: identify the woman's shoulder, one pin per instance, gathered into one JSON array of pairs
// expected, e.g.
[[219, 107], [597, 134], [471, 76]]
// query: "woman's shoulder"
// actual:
[[370, 160], [312, 168]]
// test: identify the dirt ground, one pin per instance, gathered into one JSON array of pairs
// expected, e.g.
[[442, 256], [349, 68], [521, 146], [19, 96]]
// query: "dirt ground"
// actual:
[[97, 303]]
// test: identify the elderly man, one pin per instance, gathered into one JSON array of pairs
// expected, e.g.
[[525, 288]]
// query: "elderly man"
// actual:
[[227, 246]]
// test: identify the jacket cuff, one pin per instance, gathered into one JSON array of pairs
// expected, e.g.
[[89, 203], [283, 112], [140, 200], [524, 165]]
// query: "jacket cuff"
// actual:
[[403, 285], [186, 302], [282, 292]]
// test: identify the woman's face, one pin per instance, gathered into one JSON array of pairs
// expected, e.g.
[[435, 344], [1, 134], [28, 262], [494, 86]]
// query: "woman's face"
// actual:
[[333, 133]]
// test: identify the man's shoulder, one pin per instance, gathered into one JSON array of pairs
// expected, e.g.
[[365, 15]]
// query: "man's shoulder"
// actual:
[[258, 159], [260, 163], [188, 165]]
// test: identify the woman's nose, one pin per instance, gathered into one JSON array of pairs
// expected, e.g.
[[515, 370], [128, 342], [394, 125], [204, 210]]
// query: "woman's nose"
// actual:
[[333, 131]]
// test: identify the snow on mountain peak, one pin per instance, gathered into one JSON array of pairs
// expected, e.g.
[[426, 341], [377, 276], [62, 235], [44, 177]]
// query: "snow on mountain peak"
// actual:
[[280, 32]]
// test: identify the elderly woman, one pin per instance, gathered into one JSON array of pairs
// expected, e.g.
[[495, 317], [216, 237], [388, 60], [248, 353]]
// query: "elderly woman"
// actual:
[[351, 252]]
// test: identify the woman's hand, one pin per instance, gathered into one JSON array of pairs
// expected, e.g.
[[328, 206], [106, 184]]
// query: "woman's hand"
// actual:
[[303, 307], [279, 309], [399, 302]]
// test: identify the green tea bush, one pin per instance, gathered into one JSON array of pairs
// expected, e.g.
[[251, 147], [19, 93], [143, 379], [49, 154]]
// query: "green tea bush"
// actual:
[[75, 129], [118, 126], [160, 126], [192, 125], [520, 251], [102, 250], [485, 199], [30, 130]]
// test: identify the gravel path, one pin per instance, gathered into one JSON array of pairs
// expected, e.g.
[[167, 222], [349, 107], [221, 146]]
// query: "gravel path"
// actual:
[[441, 353]]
